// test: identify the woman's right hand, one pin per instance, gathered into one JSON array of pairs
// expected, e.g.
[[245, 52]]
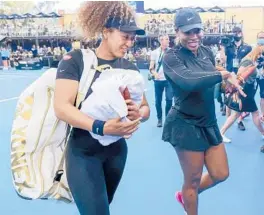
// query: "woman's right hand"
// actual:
[[116, 127]]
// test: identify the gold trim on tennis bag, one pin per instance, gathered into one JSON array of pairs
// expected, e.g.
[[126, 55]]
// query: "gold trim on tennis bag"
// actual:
[[38, 138]]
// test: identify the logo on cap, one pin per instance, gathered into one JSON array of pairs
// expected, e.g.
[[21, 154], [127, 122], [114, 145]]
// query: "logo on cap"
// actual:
[[132, 21], [189, 19]]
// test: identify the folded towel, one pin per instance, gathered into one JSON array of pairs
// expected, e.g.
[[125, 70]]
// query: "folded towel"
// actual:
[[107, 101]]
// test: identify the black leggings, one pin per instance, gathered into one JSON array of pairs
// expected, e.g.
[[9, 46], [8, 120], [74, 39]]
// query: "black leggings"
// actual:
[[94, 171]]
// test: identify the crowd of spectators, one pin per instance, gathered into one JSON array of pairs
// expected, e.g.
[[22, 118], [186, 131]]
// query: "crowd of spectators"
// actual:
[[35, 27], [211, 26]]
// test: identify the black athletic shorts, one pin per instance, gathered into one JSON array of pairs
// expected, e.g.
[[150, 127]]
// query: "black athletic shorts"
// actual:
[[189, 137]]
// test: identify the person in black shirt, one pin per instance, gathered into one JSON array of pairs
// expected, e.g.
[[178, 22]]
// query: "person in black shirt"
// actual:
[[191, 125], [93, 170], [235, 52]]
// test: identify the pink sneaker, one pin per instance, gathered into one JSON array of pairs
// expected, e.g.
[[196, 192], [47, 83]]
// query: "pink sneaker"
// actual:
[[179, 198]]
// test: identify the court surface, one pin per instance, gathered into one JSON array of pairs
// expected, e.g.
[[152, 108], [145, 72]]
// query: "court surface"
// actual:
[[152, 173]]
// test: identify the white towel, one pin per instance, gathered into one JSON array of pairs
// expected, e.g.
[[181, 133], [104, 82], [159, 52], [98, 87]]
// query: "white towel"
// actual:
[[106, 101]]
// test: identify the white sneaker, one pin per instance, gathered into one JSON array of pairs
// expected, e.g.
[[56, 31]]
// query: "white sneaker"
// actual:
[[225, 139]]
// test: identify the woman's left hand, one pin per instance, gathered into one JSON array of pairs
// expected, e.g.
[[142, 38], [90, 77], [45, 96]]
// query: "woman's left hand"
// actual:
[[133, 110]]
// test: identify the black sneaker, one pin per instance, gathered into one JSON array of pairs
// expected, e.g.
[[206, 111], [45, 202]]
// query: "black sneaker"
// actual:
[[241, 126], [159, 123]]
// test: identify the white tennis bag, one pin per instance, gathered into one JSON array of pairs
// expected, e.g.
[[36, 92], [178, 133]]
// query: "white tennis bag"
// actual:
[[38, 138]]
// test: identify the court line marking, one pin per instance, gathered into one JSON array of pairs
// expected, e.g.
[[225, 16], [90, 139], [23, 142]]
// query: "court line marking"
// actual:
[[9, 99]]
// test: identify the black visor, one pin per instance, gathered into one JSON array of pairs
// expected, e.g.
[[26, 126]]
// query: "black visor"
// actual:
[[124, 25]]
